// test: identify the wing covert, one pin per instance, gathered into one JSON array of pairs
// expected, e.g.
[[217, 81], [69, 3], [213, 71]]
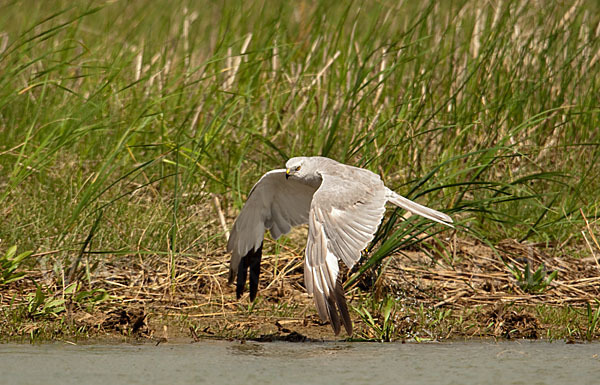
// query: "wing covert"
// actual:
[[350, 212]]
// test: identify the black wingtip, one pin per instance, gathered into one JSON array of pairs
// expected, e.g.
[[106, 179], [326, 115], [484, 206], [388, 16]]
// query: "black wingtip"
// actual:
[[340, 300], [337, 310], [251, 261], [254, 263], [333, 315], [242, 273], [232, 276]]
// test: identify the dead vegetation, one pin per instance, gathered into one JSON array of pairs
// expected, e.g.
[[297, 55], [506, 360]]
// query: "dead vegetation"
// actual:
[[476, 274], [473, 282]]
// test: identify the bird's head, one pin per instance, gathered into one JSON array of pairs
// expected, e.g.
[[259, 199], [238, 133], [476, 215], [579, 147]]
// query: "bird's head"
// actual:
[[306, 169], [295, 168], [303, 168]]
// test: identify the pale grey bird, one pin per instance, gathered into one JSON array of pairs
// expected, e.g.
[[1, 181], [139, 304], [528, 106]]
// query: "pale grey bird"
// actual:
[[343, 206]]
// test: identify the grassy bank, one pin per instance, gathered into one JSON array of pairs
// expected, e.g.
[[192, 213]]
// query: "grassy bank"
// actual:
[[128, 129]]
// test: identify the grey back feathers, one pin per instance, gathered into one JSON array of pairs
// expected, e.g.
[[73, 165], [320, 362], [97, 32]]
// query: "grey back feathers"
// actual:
[[343, 206]]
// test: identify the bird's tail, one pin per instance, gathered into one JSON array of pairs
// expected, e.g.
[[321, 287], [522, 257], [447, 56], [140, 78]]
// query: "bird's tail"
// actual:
[[418, 209]]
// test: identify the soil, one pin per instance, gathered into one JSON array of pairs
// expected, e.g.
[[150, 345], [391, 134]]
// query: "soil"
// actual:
[[464, 281]]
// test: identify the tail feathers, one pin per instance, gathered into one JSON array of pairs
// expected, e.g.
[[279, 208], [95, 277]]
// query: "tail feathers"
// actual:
[[418, 209]]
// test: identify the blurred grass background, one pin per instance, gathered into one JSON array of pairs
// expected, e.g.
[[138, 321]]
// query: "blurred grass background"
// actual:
[[122, 121]]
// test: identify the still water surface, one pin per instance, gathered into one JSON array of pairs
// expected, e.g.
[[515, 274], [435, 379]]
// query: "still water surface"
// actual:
[[223, 362]]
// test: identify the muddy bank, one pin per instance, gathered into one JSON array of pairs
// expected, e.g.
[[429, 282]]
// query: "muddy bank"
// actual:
[[468, 290]]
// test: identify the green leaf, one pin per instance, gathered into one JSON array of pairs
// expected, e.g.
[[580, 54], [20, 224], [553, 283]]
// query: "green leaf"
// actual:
[[22, 256], [10, 252], [72, 288], [54, 303], [14, 277]]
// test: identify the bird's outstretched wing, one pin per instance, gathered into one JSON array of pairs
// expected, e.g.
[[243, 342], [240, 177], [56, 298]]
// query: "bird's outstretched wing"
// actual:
[[274, 204], [344, 215]]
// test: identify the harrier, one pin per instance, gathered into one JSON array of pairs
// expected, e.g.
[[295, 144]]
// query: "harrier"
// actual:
[[343, 206]]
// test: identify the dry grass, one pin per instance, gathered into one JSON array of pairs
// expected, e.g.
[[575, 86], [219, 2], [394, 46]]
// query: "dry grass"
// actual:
[[480, 275], [198, 301]]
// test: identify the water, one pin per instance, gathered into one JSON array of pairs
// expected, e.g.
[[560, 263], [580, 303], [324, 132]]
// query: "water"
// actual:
[[302, 363]]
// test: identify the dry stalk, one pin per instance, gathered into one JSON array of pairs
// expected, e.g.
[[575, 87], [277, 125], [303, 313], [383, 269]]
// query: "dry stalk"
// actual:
[[587, 224], [234, 62], [217, 205]]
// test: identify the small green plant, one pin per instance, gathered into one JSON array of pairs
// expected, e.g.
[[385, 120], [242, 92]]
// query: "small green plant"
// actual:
[[382, 327], [90, 298], [593, 317], [42, 303], [9, 263], [284, 309], [533, 283]]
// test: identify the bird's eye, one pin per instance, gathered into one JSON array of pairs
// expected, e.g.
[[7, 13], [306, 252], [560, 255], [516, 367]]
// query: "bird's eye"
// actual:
[[297, 168]]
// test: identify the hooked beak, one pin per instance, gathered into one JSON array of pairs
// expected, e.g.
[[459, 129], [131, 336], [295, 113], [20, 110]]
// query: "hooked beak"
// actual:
[[287, 173]]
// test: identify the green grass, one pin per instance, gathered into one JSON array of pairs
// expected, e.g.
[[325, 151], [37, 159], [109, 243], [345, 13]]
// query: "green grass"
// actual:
[[119, 120], [396, 320]]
